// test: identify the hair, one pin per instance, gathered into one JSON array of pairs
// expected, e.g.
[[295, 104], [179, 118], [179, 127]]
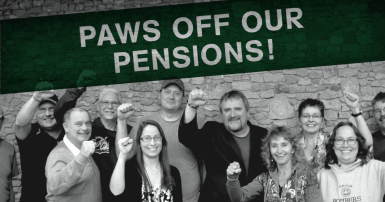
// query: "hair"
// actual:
[[379, 97], [167, 180], [275, 132], [311, 103], [331, 157], [234, 94], [67, 115], [110, 90]]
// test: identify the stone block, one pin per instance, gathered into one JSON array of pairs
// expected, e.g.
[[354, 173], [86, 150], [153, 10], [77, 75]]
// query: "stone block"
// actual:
[[260, 103], [198, 80], [347, 72], [304, 81], [256, 78], [280, 108], [267, 94], [241, 85], [269, 77]]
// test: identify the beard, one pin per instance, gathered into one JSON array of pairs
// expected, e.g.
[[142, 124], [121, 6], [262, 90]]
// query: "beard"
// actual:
[[234, 124]]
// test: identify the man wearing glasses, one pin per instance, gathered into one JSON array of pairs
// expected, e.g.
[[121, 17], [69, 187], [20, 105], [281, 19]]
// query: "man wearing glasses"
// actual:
[[378, 104], [110, 126]]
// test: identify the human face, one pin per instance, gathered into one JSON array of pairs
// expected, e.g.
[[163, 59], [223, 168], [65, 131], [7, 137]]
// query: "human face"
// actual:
[[234, 115], [108, 105], [171, 98], [379, 114], [311, 120], [78, 128], [346, 153], [150, 149], [45, 117], [281, 150]]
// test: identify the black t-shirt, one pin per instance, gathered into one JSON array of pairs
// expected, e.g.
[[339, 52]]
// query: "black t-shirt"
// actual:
[[379, 145], [105, 155], [34, 151]]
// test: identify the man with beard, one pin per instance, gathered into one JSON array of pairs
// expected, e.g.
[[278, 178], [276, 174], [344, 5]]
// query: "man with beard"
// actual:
[[220, 144], [72, 174], [378, 104], [107, 130], [181, 157], [36, 140]]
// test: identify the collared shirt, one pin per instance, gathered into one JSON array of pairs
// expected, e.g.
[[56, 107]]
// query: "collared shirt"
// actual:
[[318, 155], [75, 151]]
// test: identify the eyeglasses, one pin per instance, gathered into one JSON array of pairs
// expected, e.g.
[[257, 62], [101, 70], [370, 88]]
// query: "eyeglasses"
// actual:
[[148, 138], [106, 104], [314, 116], [342, 141], [377, 111]]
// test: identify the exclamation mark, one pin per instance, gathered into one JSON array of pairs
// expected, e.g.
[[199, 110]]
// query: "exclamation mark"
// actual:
[[270, 42]]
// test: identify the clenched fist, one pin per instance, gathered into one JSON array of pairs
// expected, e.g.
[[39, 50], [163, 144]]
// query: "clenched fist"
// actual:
[[197, 98], [125, 110], [44, 90], [88, 148], [125, 145], [86, 78], [351, 101], [234, 170]]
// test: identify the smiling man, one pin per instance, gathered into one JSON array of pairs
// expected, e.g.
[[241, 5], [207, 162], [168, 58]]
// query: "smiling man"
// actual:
[[219, 144], [378, 104], [72, 174], [36, 140]]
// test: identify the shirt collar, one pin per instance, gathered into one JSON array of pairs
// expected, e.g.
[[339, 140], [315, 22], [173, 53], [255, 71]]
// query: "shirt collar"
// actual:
[[318, 141], [75, 151]]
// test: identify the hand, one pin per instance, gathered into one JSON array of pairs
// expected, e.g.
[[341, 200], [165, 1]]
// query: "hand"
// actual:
[[351, 101], [197, 98], [125, 145], [125, 110], [234, 170], [86, 78], [44, 90], [88, 148]]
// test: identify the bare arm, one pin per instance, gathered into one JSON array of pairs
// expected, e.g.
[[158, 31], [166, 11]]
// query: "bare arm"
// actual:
[[351, 101], [117, 183], [124, 112], [196, 98]]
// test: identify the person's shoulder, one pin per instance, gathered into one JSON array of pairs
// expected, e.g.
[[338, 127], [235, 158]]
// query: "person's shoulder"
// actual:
[[255, 128]]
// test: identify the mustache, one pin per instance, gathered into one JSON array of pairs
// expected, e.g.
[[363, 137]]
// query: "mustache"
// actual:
[[234, 119]]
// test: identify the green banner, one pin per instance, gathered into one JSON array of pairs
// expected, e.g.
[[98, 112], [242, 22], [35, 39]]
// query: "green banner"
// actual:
[[203, 39]]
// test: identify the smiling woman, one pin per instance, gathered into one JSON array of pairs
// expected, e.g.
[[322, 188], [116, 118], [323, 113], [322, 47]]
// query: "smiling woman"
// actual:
[[287, 179], [349, 174]]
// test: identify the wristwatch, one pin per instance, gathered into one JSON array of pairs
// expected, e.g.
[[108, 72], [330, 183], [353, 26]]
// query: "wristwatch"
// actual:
[[358, 114]]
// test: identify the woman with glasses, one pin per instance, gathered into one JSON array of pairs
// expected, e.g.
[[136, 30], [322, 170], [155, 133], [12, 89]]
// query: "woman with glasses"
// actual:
[[286, 179], [348, 173], [312, 140], [148, 177]]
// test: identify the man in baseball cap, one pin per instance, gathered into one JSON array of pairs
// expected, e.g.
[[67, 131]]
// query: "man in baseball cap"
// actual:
[[169, 115], [36, 140]]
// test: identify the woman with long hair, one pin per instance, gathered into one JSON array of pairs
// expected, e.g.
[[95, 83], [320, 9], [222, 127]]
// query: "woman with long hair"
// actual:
[[286, 179], [312, 140], [349, 174], [148, 177]]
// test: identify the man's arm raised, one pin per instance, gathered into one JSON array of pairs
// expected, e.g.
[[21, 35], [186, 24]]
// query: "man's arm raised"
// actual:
[[196, 99], [124, 112], [26, 113]]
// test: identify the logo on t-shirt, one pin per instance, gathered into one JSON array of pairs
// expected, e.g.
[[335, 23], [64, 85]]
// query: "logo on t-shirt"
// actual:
[[345, 192], [101, 145]]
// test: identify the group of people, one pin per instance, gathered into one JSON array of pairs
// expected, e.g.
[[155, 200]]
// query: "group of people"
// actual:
[[66, 156]]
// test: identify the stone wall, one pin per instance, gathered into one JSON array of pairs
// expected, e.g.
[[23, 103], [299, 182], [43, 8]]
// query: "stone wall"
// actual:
[[274, 96]]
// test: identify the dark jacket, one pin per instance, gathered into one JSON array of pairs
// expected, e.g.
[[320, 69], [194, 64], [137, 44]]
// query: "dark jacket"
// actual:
[[218, 148], [133, 181]]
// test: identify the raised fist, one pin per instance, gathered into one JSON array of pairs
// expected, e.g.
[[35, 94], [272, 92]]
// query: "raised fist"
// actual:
[[125, 110], [197, 98], [351, 101], [86, 78], [234, 170], [44, 90], [125, 145], [88, 148]]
